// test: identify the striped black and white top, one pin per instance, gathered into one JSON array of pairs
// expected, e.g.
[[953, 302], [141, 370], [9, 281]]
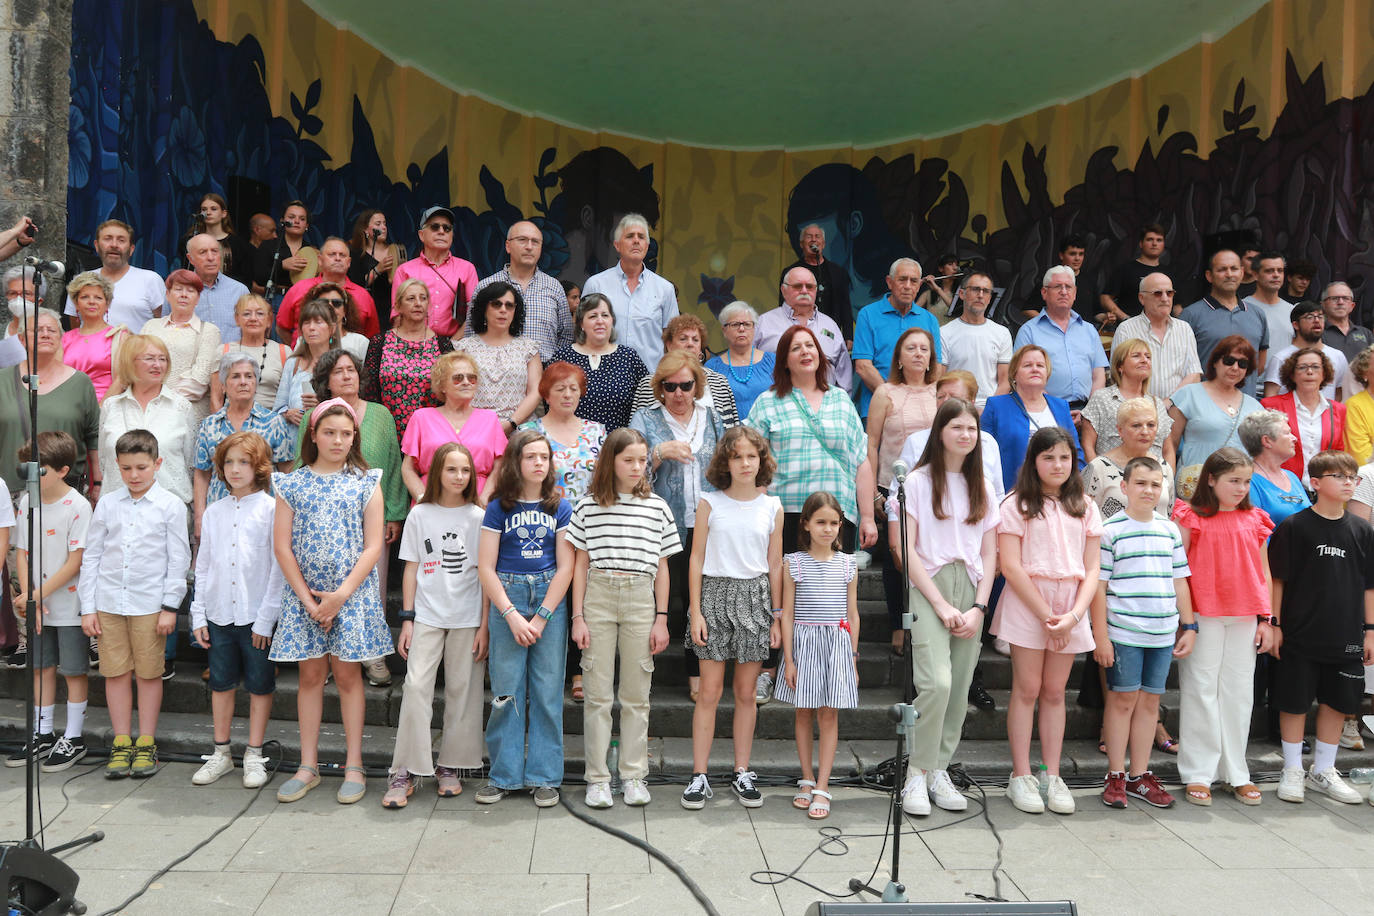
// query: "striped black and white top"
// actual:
[[1140, 561], [629, 537], [822, 595]]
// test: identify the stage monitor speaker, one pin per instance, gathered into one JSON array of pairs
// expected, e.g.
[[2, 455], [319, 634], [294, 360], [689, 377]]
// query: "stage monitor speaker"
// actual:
[[961, 908], [41, 883], [246, 197]]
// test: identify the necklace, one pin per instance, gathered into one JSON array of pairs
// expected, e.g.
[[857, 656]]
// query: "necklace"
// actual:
[[735, 375]]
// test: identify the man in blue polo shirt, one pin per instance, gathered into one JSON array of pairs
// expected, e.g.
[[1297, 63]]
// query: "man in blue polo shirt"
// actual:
[[1078, 363], [882, 322], [1223, 312]]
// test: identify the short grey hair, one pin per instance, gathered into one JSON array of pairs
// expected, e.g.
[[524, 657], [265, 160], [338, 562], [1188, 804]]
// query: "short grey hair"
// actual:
[[626, 221], [897, 265], [91, 278], [32, 279], [1255, 426], [738, 307], [1055, 271], [816, 226], [231, 359], [977, 273]]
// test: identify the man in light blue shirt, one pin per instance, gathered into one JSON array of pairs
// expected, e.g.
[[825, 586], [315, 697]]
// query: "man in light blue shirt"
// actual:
[[644, 302], [1078, 362], [221, 292], [881, 323]]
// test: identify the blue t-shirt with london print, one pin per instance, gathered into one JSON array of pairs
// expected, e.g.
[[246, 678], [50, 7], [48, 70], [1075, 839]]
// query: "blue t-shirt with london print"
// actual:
[[527, 535]]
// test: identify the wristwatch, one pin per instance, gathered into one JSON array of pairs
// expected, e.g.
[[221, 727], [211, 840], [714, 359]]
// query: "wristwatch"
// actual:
[[1272, 621], [1188, 626], [544, 613], [979, 606]]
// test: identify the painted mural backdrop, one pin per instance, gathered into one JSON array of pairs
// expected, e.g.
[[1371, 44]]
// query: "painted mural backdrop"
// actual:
[[163, 109]]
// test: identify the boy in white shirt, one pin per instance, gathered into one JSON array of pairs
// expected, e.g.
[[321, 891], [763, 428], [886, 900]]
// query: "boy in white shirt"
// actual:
[[133, 577], [58, 646]]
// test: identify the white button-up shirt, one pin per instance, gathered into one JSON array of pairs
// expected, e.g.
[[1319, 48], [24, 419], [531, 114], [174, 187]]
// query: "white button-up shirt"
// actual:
[[137, 554], [238, 581], [170, 418], [640, 316]]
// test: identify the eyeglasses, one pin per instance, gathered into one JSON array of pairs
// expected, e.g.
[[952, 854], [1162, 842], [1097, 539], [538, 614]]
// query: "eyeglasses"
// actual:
[[1312, 316], [801, 286], [1229, 360], [1160, 293], [977, 290], [1307, 367], [153, 360], [470, 377], [1339, 299], [332, 302], [524, 240], [439, 227], [737, 325], [680, 386], [1343, 478], [1061, 288]]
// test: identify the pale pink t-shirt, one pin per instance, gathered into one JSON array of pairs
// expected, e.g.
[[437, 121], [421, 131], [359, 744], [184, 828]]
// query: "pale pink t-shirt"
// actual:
[[1051, 543], [940, 542], [481, 433]]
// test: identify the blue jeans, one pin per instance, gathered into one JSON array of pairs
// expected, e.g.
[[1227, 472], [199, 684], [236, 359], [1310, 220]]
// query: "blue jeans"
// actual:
[[526, 683]]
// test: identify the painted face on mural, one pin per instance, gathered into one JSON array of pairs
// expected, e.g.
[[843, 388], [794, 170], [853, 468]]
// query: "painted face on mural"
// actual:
[[799, 289], [1225, 273]]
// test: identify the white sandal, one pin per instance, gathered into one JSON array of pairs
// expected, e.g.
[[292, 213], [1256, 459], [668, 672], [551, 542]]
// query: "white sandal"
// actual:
[[802, 799], [820, 805]]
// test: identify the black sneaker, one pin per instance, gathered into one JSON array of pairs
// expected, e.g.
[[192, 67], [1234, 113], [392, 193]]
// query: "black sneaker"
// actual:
[[64, 754], [94, 653], [697, 791], [169, 670], [43, 743], [19, 658], [743, 786]]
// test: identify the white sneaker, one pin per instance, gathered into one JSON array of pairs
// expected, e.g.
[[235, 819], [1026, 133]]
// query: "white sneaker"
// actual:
[[212, 769], [915, 797], [254, 769], [599, 795], [1024, 792], [1290, 785], [1331, 784], [636, 793], [944, 794], [1003, 648], [1060, 798], [763, 689], [863, 559], [376, 672], [1351, 739]]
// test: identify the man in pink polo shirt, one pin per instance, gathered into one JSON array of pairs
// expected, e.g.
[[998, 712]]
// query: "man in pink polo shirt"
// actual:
[[335, 260], [450, 279]]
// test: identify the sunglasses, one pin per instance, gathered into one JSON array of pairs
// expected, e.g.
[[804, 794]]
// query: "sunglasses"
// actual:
[[680, 386], [439, 227], [1241, 361], [465, 377], [332, 303]]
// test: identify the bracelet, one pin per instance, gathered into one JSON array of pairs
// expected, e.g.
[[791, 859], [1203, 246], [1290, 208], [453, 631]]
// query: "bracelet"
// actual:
[[1368, 627], [1188, 626], [980, 606], [576, 616], [856, 654], [777, 613], [507, 611], [544, 613], [665, 614]]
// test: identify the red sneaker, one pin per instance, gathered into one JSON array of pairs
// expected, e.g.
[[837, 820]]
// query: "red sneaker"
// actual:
[[1146, 788], [1114, 790]]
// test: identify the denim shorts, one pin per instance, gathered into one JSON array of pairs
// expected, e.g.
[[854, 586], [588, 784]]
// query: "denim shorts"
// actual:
[[65, 648], [1139, 669], [233, 658]]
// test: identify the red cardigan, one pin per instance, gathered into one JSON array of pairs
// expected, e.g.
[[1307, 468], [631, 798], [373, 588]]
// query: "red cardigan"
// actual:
[[1333, 429]]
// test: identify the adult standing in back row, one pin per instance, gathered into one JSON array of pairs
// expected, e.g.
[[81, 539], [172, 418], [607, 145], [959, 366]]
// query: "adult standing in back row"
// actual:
[[883, 322], [643, 302], [1078, 365], [449, 279], [1222, 313]]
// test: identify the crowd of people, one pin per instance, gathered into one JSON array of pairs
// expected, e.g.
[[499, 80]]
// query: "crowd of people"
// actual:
[[564, 475]]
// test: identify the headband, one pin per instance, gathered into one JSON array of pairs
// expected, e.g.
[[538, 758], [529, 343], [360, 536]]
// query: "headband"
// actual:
[[321, 407]]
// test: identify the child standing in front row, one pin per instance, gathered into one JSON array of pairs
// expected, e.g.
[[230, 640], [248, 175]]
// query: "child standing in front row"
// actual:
[[441, 620], [133, 577], [237, 601], [734, 580], [1048, 547], [1224, 537], [59, 646], [327, 537], [1324, 628], [624, 533], [1142, 594], [820, 643]]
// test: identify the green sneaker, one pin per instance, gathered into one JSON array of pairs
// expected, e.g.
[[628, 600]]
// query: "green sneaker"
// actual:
[[121, 757], [145, 758]]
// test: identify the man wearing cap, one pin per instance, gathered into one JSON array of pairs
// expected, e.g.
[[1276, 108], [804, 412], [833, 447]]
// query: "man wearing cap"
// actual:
[[451, 280], [1308, 325]]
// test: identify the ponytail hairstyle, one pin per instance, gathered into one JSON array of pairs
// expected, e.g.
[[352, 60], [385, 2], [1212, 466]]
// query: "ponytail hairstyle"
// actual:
[[972, 468], [1030, 492]]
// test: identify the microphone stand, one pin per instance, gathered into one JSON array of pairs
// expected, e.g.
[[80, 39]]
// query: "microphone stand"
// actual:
[[903, 714], [270, 288], [40, 880]]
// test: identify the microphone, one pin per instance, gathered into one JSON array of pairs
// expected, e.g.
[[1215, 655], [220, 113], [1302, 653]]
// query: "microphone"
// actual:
[[815, 249], [899, 471], [376, 234], [55, 268]]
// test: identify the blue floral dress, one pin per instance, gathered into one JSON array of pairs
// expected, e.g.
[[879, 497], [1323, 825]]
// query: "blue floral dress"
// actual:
[[327, 539]]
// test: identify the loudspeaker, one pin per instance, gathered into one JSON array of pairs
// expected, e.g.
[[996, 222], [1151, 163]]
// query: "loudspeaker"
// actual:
[[41, 882], [962, 908], [246, 197]]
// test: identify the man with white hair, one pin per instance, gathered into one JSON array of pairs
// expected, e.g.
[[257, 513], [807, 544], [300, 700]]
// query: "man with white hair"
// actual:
[[881, 324], [832, 280], [138, 293], [799, 308], [1078, 364], [643, 301], [222, 292]]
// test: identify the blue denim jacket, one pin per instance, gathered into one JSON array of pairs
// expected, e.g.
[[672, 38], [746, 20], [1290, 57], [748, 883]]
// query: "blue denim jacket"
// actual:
[[668, 479]]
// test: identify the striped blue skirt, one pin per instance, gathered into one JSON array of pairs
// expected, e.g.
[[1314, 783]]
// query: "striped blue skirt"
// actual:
[[826, 675]]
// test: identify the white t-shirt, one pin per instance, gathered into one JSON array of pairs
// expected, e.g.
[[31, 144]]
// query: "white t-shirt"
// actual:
[[62, 526], [443, 541], [137, 295], [6, 507], [1277, 357], [977, 348], [737, 544]]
